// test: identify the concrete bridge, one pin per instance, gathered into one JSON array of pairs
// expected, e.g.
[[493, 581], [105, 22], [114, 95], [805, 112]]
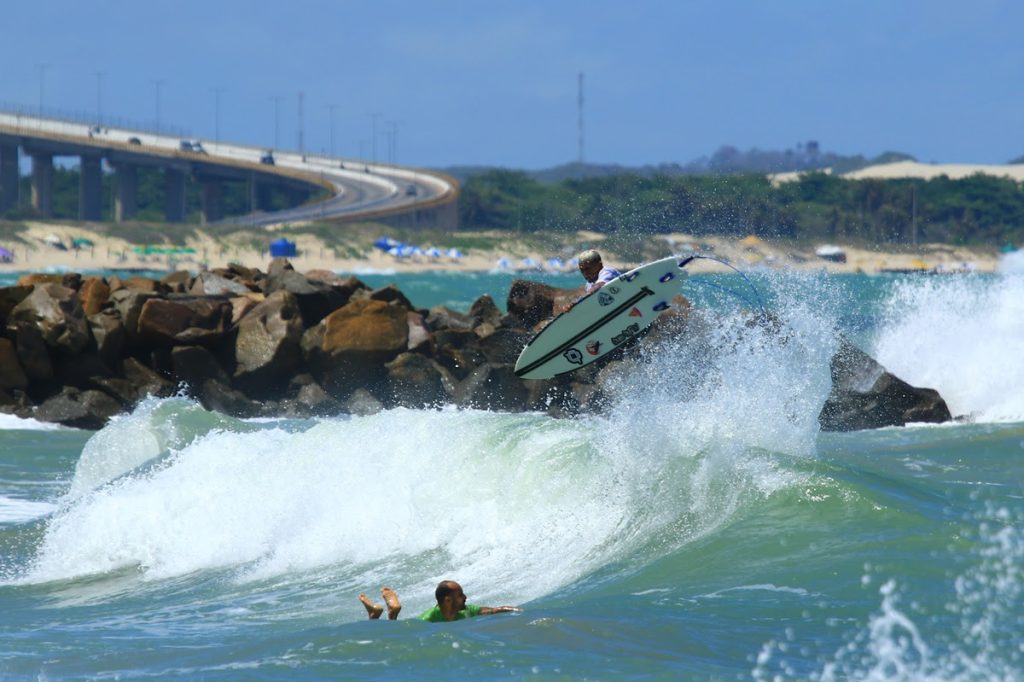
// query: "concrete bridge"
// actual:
[[353, 190]]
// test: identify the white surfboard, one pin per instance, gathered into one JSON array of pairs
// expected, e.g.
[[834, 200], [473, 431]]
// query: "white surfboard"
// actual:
[[603, 320]]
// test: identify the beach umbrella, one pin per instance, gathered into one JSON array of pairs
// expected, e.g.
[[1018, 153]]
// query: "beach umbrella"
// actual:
[[529, 263], [79, 242], [433, 252], [502, 263], [55, 241], [556, 263], [387, 243], [454, 253], [5, 255], [282, 247]]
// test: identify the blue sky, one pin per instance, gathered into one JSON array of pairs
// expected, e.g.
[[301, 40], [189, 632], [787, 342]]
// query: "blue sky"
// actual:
[[495, 83]]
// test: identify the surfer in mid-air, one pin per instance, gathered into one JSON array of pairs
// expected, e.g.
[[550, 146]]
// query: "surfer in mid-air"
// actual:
[[593, 270], [451, 605]]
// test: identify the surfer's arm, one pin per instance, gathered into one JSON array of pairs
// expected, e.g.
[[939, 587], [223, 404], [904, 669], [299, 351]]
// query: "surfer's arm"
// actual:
[[487, 610]]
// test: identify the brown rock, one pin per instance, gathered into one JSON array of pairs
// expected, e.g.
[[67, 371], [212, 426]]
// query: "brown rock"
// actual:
[[210, 284], [145, 380], [268, 345], [417, 381], [109, 334], [78, 409], [391, 294], [31, 350], [71, 280], [530, 302], [420, 338], [349, 347], [128, 304], [10, 297], [485, 311], [492, 387], [184, 320], [240, 305], [372, 327], [177, 282], [57, 313], [93, 294], [11, 373], [144, 284]]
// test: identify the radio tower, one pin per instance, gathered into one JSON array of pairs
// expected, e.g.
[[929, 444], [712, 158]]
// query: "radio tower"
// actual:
[[579, 103]]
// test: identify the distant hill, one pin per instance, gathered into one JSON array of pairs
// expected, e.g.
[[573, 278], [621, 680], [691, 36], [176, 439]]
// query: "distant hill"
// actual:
[[727, 160]]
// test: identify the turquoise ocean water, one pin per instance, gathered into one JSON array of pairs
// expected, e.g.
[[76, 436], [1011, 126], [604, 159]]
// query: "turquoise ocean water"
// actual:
[[705, 529]]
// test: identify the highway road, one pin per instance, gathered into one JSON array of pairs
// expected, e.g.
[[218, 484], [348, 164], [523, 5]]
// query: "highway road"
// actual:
[[356, 188]]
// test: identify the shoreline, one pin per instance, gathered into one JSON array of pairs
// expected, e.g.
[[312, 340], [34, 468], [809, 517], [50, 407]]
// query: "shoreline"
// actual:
[[509, 253]]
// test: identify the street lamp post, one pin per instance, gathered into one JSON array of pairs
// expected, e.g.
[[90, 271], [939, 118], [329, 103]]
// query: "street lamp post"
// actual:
[[216, 115], [330, 110], [158, 83], [276, 99], [373, 141], [99, 97], [42, 78]]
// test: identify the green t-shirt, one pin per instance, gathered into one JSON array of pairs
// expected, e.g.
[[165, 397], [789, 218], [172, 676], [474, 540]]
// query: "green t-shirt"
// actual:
[[434, 615]]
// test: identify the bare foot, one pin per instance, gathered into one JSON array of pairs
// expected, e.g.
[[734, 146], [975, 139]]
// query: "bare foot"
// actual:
[[391, 599], [372, 610]]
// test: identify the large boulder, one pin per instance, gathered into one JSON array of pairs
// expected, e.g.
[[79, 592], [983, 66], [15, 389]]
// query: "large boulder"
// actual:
[[866, 396], [532, 302], [212, 284], [11, 373], [79, 409], [93, 294], [128, 303], [108, 333], [268, 344], [186, 320], [349, 347], [10, 297], [144, 380], [57, 313], [492, 387], [417, 381], [31, 350], [317, 299]]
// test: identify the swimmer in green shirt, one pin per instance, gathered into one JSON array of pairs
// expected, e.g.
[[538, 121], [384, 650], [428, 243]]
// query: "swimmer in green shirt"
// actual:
[[451, 605]]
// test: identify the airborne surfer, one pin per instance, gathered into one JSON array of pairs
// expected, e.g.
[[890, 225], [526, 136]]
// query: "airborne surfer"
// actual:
[[593, 270]]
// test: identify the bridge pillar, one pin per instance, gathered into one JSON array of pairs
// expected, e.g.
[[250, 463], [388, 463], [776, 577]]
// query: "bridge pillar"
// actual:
[[42, 183], [261, 196], [126, 182], [8, 176], [212, 201], [174, 185], [90, 189]]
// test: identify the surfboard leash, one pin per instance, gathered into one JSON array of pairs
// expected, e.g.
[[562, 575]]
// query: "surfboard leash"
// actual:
[[757, 295]]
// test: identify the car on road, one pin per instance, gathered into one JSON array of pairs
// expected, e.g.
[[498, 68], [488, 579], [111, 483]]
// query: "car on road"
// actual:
[[410, 190], [134, 140], [267, 158], [194, 146]]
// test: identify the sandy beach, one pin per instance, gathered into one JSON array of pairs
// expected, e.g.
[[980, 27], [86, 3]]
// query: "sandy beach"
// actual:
[[36, 250]]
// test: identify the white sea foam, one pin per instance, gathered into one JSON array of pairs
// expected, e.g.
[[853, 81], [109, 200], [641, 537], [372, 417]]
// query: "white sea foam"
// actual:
[[515, 505], [963, 337], [14, 510], [10, 422]]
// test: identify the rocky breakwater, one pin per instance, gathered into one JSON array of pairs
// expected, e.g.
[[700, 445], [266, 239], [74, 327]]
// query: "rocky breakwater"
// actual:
[[78, 350]]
